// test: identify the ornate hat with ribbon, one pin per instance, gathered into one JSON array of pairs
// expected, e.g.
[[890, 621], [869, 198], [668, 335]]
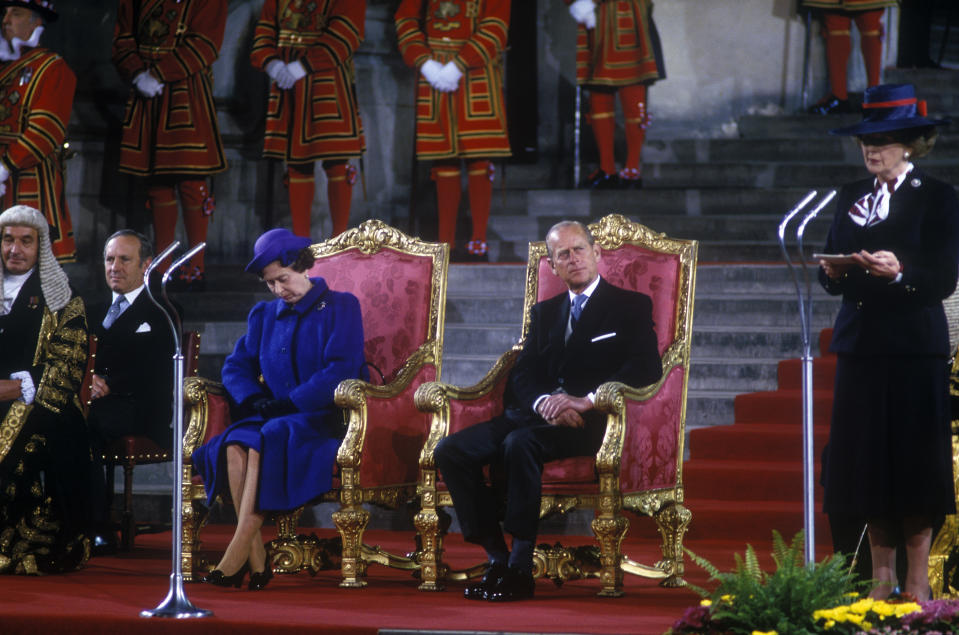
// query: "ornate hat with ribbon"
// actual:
[[889, 107], [43, 7], [276, 244]]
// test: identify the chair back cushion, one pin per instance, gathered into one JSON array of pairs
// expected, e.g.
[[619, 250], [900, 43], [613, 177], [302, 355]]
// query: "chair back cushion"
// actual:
[[396, 279]]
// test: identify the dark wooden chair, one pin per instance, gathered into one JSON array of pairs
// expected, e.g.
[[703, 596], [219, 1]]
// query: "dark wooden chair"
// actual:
[[130, 451]]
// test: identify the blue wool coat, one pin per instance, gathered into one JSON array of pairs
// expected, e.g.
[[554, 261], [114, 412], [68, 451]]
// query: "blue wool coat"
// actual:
[[302, 352]]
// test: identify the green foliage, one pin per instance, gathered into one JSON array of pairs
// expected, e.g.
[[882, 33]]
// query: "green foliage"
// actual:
[[748, 599]]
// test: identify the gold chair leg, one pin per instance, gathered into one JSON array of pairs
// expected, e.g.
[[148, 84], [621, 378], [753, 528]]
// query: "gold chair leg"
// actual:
[[189, 539], [673, 520], [610, 531], [432, 569], [351, 523]]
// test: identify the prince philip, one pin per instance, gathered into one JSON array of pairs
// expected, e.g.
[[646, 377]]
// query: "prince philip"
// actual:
[[591, 334]]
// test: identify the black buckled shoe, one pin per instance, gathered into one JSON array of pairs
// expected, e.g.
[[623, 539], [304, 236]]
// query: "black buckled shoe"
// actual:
[[600, 180], [831, 105], [480, 590], [515, 585]]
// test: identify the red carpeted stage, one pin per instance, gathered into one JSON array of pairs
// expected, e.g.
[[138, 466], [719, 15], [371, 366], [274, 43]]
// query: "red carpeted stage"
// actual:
[[107, 596]]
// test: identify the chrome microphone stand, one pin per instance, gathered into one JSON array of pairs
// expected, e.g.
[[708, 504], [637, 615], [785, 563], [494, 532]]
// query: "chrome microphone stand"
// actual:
[[176, 603], [805, 322]]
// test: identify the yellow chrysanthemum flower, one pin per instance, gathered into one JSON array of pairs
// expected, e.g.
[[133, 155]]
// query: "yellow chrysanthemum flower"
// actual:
[[765, 633], [906, 608], [706, 602], [862, 606]]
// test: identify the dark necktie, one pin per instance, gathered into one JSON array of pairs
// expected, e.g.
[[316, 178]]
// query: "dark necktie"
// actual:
[[115, 310], [577, 309]]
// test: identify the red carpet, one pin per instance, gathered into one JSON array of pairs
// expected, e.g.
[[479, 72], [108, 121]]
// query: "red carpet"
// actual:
[[107, 596], [742, 481]]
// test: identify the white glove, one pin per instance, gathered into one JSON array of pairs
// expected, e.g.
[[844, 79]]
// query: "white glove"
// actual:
[[584, 12], [449, 78], [147, 85], [273, 69], [430, 70], [297, 71], [27, 390]]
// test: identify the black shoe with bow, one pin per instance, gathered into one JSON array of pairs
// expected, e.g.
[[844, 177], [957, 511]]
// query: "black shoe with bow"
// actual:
[[515, 585], [218, 578], [600, 180], [479, 590]]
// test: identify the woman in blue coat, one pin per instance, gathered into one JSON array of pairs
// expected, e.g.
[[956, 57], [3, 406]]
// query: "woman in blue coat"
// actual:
[[283, 372], [889, 458]]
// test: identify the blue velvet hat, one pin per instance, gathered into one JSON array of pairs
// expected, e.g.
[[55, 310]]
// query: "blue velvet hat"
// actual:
[[889, 107], [276, 244]]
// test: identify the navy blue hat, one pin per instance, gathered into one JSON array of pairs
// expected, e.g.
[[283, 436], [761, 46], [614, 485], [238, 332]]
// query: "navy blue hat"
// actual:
[[276, 244], [889, 107]]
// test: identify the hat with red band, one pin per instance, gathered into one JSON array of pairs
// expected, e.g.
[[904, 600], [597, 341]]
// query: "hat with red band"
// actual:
[[43, 7], [889, 107]]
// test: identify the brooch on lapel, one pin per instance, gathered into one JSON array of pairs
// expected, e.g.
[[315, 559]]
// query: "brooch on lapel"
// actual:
[[34, 302], [321, 305], [915, 183]]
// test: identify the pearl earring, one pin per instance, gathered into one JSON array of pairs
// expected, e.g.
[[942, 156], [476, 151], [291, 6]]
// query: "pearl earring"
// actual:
[[906, 155]]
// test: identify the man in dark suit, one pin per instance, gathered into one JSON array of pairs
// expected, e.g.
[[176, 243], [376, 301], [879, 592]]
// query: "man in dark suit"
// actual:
[[592, 334], [133, 377]]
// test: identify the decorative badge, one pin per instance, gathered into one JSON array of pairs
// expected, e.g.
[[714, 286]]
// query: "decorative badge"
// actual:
[[25, 76], [915, 182], [34, 302]]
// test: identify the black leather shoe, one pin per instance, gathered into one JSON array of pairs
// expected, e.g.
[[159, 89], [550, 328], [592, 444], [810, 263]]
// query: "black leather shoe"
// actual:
[[831, 105], [259, 579], [217, 577], [600, 180], [515, 585], [479, 590]]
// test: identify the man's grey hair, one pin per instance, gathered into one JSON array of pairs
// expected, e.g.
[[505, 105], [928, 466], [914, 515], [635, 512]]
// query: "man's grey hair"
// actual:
[[53, 279], [146, 247], [563, 224]]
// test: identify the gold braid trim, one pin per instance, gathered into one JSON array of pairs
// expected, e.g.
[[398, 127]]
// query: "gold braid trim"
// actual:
[[62, 350], [11, 426]]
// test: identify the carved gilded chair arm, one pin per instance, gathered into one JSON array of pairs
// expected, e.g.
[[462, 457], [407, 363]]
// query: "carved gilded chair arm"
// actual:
[[196, 391], [437, 397], [352, 393], [613, 397]]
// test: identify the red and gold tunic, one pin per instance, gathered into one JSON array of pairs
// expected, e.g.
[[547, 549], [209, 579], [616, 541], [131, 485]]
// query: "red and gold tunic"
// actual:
[[36, 97], [620, 51], [849, 5], [177, 41], [318, 118], [469, 122]]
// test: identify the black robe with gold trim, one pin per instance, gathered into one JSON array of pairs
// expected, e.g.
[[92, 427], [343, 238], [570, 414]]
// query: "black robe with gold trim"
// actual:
[[44, 452]]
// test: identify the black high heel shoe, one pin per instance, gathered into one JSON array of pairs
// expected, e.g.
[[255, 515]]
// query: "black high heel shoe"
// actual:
[[259, 579], [217, 577]]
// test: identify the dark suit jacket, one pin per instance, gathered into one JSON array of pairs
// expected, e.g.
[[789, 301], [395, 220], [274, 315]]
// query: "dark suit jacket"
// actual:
[[922, 229], [549, 363], [137, 365]]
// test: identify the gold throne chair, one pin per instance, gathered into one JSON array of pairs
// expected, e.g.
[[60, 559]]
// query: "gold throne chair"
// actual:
[[639, 467], [400, 283]]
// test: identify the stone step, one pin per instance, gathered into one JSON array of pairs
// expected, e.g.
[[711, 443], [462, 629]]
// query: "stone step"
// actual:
[[747, 341], [732, 375]]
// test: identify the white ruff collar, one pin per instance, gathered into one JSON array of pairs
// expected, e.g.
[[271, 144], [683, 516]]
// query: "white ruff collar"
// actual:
[[10, 51]]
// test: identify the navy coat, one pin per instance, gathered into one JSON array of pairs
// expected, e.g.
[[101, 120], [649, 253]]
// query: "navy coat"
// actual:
[[302, 352], [878, 318]]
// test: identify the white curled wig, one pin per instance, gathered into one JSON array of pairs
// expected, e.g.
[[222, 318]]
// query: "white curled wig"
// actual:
[[53, 279]]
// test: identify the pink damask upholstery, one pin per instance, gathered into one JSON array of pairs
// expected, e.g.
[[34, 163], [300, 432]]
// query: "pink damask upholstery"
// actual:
[[639, 467], [394, 293]]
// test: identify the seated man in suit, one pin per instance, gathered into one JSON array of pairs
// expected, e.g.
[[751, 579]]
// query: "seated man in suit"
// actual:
[[594, 333], [132, 388]]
